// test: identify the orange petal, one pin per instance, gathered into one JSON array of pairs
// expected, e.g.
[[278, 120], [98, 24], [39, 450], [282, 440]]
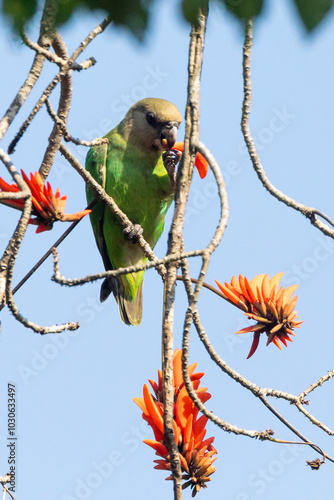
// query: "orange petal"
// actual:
[[283, 340], [177, 371], [179, 146], [276, 342], [42, 227], [184, 463], [199, 425], [256, 281], [153, 409], [191, 368], [76, 216], [200, 162], [12, 188], [199, 439], [235, 284], [275, 280], [254, 345], [160, 379], [203, 396], [288, 292], [246, 330], [158, 447], [206, 444], [154, 385], [244, 289], [183, 407], [202, 165], [141, 403], [187, 433], [265, 288], [162, 466], [250, 291], [228, 293]]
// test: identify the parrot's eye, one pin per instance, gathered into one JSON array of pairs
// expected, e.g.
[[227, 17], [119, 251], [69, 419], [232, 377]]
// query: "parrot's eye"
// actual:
[[151, 119]]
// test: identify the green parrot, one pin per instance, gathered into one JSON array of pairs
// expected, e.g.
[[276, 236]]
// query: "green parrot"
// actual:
[[131, 170]]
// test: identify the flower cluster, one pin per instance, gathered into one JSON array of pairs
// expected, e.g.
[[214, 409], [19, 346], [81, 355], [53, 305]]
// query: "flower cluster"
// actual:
[[271, 307], [195, 452], [47, 207], [200, 162]]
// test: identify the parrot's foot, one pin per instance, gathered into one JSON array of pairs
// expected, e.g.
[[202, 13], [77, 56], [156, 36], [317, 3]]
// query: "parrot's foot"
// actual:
[[133, 232], [171, 159]]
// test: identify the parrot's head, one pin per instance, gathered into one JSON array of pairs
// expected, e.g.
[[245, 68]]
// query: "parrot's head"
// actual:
[[151, 124]]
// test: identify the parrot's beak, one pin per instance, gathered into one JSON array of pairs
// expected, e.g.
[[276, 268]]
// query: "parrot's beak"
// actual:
[[168, 136]]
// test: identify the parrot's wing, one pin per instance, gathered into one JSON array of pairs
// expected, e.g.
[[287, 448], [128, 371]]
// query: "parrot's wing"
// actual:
[[96, 166]]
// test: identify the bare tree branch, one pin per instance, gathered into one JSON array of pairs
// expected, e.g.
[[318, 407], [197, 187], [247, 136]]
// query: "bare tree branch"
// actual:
[[37, 107], [46, 53], [316, 384], [63, 110], [175, 240], [9, 255], [309, 212], [61, 280], [96, 31]]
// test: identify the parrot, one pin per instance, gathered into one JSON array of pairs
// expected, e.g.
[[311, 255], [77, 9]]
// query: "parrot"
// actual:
[[131, 169]]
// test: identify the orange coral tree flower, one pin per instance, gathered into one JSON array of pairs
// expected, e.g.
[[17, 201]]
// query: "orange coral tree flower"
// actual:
[[271, 308], [47, 207], [195, 452], [200, 162]]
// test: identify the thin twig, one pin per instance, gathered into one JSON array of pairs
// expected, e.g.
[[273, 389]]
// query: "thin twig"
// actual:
[[61, 280], [309, 212], [63, 110], [67, 136], [91, 61], [316, 384], [49, 252], [46, 53], [37, 107], [20, 229], [293, 429], [96, 31]]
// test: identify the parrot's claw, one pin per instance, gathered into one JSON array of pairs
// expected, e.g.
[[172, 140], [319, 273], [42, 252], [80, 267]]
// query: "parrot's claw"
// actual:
[[133, 232], [171, 159]]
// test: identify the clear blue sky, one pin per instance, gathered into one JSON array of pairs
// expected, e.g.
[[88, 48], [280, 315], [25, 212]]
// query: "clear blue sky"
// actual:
[[74, 391]]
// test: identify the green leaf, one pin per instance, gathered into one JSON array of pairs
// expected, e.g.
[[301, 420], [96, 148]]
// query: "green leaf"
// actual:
[[313, 12], [244, 9], [19, 12], [132, 14], [191, 8]]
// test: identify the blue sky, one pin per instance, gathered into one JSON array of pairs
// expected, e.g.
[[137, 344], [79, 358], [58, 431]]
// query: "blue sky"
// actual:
[[79, 433]]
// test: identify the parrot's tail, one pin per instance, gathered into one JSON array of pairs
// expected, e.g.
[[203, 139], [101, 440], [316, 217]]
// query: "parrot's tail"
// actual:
[[131, 312]]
